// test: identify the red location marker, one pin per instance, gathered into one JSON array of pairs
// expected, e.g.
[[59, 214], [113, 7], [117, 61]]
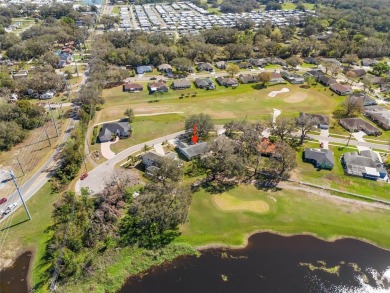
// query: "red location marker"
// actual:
[[194, 137]]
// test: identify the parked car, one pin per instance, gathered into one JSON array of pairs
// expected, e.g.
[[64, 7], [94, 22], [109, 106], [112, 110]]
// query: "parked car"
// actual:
[[12, 206], [3, 200], [85, 175]]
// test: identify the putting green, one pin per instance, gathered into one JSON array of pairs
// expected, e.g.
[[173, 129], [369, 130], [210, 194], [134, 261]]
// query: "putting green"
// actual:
[[227, 202]]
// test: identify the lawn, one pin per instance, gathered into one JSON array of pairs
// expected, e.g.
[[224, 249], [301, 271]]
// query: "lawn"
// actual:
[[222, 103], [338, 180], [150, 127], [23, 234], [291, 212]]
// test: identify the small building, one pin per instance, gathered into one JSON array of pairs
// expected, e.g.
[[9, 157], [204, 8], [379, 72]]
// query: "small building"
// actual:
[[114, 129], [47, 95], [21, 74], [367, 164], [340, 89], [181, 84], [245, 65], [249, 78], [227, 81], [276, 78], [378, 115], [323, 121], [320, 158], [166, 68], [192, 151], [359, 72], [144, 69], [358, 124], [363, 98], [205, 83], [158, 86], [266, 147], [316, 73], [221, 64], [205, 66], [326, 80], [258, 62], [132, 87], [293, 78]]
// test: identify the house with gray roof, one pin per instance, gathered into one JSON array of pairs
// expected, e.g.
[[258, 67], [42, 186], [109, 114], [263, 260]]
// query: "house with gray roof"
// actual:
[[367, 164], [320, 158], [193, 150], [358, 124], [205, 83], [340, 89], [166, 68], [205, 67], [316, 73], [322, 120], [326, 80], [181, 84], [249, 78], [221, 64], [292, 77], [144, 69], [363, 98], [108, 131], [227, 81], [152, 161], [379, 115]]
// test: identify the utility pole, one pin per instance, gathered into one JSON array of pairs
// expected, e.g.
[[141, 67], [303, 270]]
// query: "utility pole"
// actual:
[[54, 121], [47, 136], [20, 195], [20, 165]]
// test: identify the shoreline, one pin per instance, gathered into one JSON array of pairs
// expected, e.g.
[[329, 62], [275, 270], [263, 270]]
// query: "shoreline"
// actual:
[[248, 235]]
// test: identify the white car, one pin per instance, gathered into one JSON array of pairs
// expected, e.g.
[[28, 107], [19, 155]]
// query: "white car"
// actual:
[[12, 206]]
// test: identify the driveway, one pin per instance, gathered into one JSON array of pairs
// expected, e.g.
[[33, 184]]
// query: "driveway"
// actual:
[[325, 143], [359, 137], [105, 149]]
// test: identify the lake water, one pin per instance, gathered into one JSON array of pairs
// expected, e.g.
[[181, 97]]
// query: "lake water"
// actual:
[[272, 263], [14, 278]]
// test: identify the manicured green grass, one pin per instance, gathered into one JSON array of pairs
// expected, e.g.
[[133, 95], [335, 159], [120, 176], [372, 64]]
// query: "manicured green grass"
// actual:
[[291, 212], [222, 103], [336, 178], [292, 6], [32, 235], [116, 10], [150, 127]]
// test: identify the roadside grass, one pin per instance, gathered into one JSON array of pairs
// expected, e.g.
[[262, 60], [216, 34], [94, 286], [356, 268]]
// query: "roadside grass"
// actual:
[[23, 235], [116, 10], [336, 178], [222, 103], [291, 212]]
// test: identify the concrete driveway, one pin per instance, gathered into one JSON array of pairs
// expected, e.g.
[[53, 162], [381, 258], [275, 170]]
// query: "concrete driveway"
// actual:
[[359, 137], [105, 149]]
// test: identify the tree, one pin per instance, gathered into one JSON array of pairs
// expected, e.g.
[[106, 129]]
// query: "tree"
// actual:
[[351, 58], [232, 69], [310, 80], [264, 78], [300, 6], [366, 83], [169, 171], [350, 107], [305, 123], [282, 161], [204, 124], [294, 61], [129, 113], [381, 68], [334, 69], [351, 76], [10, 134], [182, 64], [283, 128], [223, 161], [273, 6]]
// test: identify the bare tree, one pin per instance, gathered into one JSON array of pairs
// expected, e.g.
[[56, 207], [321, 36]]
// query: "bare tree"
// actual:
[[350, 107], [283, 128], [305, 123]]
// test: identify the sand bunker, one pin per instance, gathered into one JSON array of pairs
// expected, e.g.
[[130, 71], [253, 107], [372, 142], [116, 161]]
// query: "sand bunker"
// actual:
[[296, 98], [227, 202], [274, 93]]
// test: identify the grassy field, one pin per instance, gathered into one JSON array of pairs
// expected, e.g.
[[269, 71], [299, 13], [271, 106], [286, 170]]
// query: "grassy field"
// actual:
[[222, 103], [337, 179], [291, 212], [29, 235], [292, 6]]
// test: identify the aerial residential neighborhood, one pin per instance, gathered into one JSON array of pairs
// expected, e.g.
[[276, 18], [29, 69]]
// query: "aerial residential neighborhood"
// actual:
[[173, 146]]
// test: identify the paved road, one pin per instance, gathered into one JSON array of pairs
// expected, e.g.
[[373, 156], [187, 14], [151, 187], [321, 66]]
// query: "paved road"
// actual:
[[31, 186], [97, 177]]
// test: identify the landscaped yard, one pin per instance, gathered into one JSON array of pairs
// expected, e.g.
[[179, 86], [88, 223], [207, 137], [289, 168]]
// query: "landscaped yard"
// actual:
[[290, 212], [336, 178]]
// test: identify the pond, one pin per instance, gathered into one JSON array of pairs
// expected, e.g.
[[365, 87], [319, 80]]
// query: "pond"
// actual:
[[273, 263], [14, 279]]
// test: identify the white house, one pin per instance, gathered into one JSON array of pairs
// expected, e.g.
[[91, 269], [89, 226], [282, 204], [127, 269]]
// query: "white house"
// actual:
[[48, 95]]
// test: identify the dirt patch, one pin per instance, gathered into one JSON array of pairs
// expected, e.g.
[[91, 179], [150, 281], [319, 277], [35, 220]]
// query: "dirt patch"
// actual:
[[220, 114], [296, 98], [229, 203]]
